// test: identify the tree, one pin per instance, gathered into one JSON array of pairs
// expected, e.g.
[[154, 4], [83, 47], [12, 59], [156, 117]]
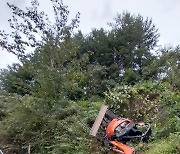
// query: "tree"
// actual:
[[134, 38], [125, 50], [32, 24], [52, 51], [166, 67], [17, 79]]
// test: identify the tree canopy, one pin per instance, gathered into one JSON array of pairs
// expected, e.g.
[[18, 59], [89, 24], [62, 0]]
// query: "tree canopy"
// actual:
[[50, 100]]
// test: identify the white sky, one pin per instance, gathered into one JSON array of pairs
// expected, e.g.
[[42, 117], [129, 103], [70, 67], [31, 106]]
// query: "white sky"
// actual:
[[165, 15]]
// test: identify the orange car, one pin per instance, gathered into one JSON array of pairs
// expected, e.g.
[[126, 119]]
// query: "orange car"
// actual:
[[118, 131], [121, 130]]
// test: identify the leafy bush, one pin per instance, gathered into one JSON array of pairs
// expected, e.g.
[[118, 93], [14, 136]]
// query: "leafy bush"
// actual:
[[62, 129], [138, 102], [55, 94], [169, 145]]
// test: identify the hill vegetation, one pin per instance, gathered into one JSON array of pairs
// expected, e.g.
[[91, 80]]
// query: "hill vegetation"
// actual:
[[49, 101]]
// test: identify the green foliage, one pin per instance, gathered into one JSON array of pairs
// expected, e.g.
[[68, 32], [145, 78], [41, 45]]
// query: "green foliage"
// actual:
[[16, 79], [29, 23], [165, 146], [138, 102], [134, 37], [125, 50], [63, 129], [166, 67], [168, 118], [50, 101], [155, 102]]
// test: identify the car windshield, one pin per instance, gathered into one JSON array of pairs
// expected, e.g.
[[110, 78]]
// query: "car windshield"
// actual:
[[122, 126]]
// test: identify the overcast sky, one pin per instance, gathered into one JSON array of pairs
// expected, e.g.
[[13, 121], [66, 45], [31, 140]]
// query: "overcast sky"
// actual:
[[165, 15]]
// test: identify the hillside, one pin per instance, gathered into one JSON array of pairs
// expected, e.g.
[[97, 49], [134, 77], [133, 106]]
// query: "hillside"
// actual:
[[50, 99]]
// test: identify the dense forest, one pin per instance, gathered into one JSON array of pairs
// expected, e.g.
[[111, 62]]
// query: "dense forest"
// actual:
[[49, 100]]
